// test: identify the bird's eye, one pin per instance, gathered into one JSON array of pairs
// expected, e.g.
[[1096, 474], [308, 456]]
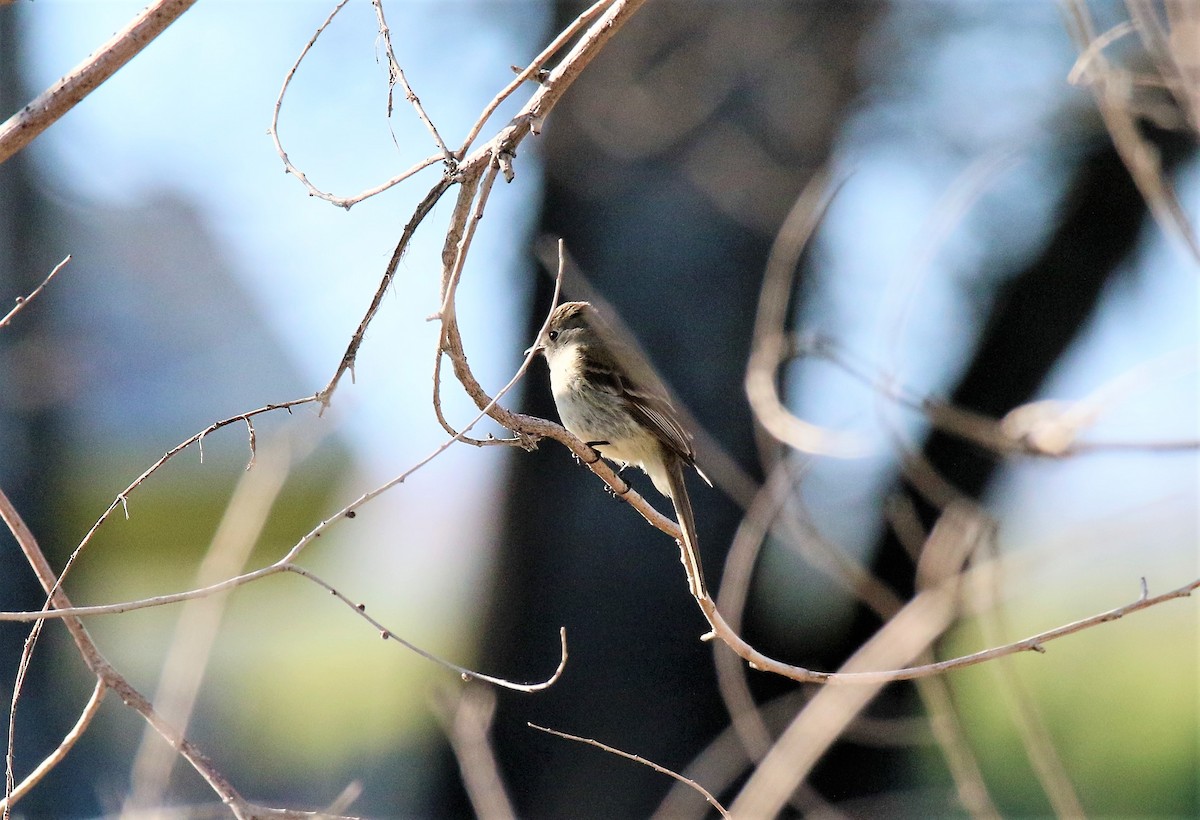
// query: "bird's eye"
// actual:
[[552, 335]]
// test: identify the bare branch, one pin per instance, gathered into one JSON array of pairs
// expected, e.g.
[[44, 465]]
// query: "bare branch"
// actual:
[[348, 358], [286, 564], [1034, 643], [769, 344], [705, 793], [122, 498], [18, 791], [273, 130], [24, 126], [396, 74], [536, 68], [22, 301], [466, 674], [105, 672], [468, 174], [1112, 89]]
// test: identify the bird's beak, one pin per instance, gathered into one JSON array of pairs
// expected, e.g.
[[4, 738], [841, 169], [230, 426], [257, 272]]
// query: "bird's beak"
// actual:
[[535, 349]]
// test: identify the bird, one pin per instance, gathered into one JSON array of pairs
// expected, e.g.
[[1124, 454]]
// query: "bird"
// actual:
[[608, 395]]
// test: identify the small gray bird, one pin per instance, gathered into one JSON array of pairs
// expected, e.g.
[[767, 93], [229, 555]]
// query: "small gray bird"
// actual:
[[608, 396]]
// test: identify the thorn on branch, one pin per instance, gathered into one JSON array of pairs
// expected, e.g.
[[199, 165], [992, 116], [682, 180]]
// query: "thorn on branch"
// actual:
[[1145, 590], [540, 76]]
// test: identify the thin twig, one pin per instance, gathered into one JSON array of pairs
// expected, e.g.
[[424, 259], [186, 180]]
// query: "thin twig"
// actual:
[[15, 793], [705, 793], [199, 622], [1034, 643], [23, 301], [105, 672], [122, 498], [289, 167], [464, 673], [769, 343], [389, 274], [504, 144], [286, 564], [535, 67], [396, 74], [452, 257]]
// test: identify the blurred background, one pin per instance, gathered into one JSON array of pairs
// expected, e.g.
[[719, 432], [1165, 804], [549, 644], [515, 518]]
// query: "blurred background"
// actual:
[[987, 248]]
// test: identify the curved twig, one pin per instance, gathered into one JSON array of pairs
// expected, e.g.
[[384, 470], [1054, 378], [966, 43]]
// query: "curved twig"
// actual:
[[396, 75], [769, 343], [466, 674]]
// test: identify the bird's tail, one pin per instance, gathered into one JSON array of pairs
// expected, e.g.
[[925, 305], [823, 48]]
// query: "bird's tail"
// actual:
[[689, 546]]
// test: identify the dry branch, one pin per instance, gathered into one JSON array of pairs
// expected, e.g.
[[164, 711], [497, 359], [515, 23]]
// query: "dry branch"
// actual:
[[23, 301], [19, 790], [23, 127], [705, 793], [1112, 88], [104, 671]]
